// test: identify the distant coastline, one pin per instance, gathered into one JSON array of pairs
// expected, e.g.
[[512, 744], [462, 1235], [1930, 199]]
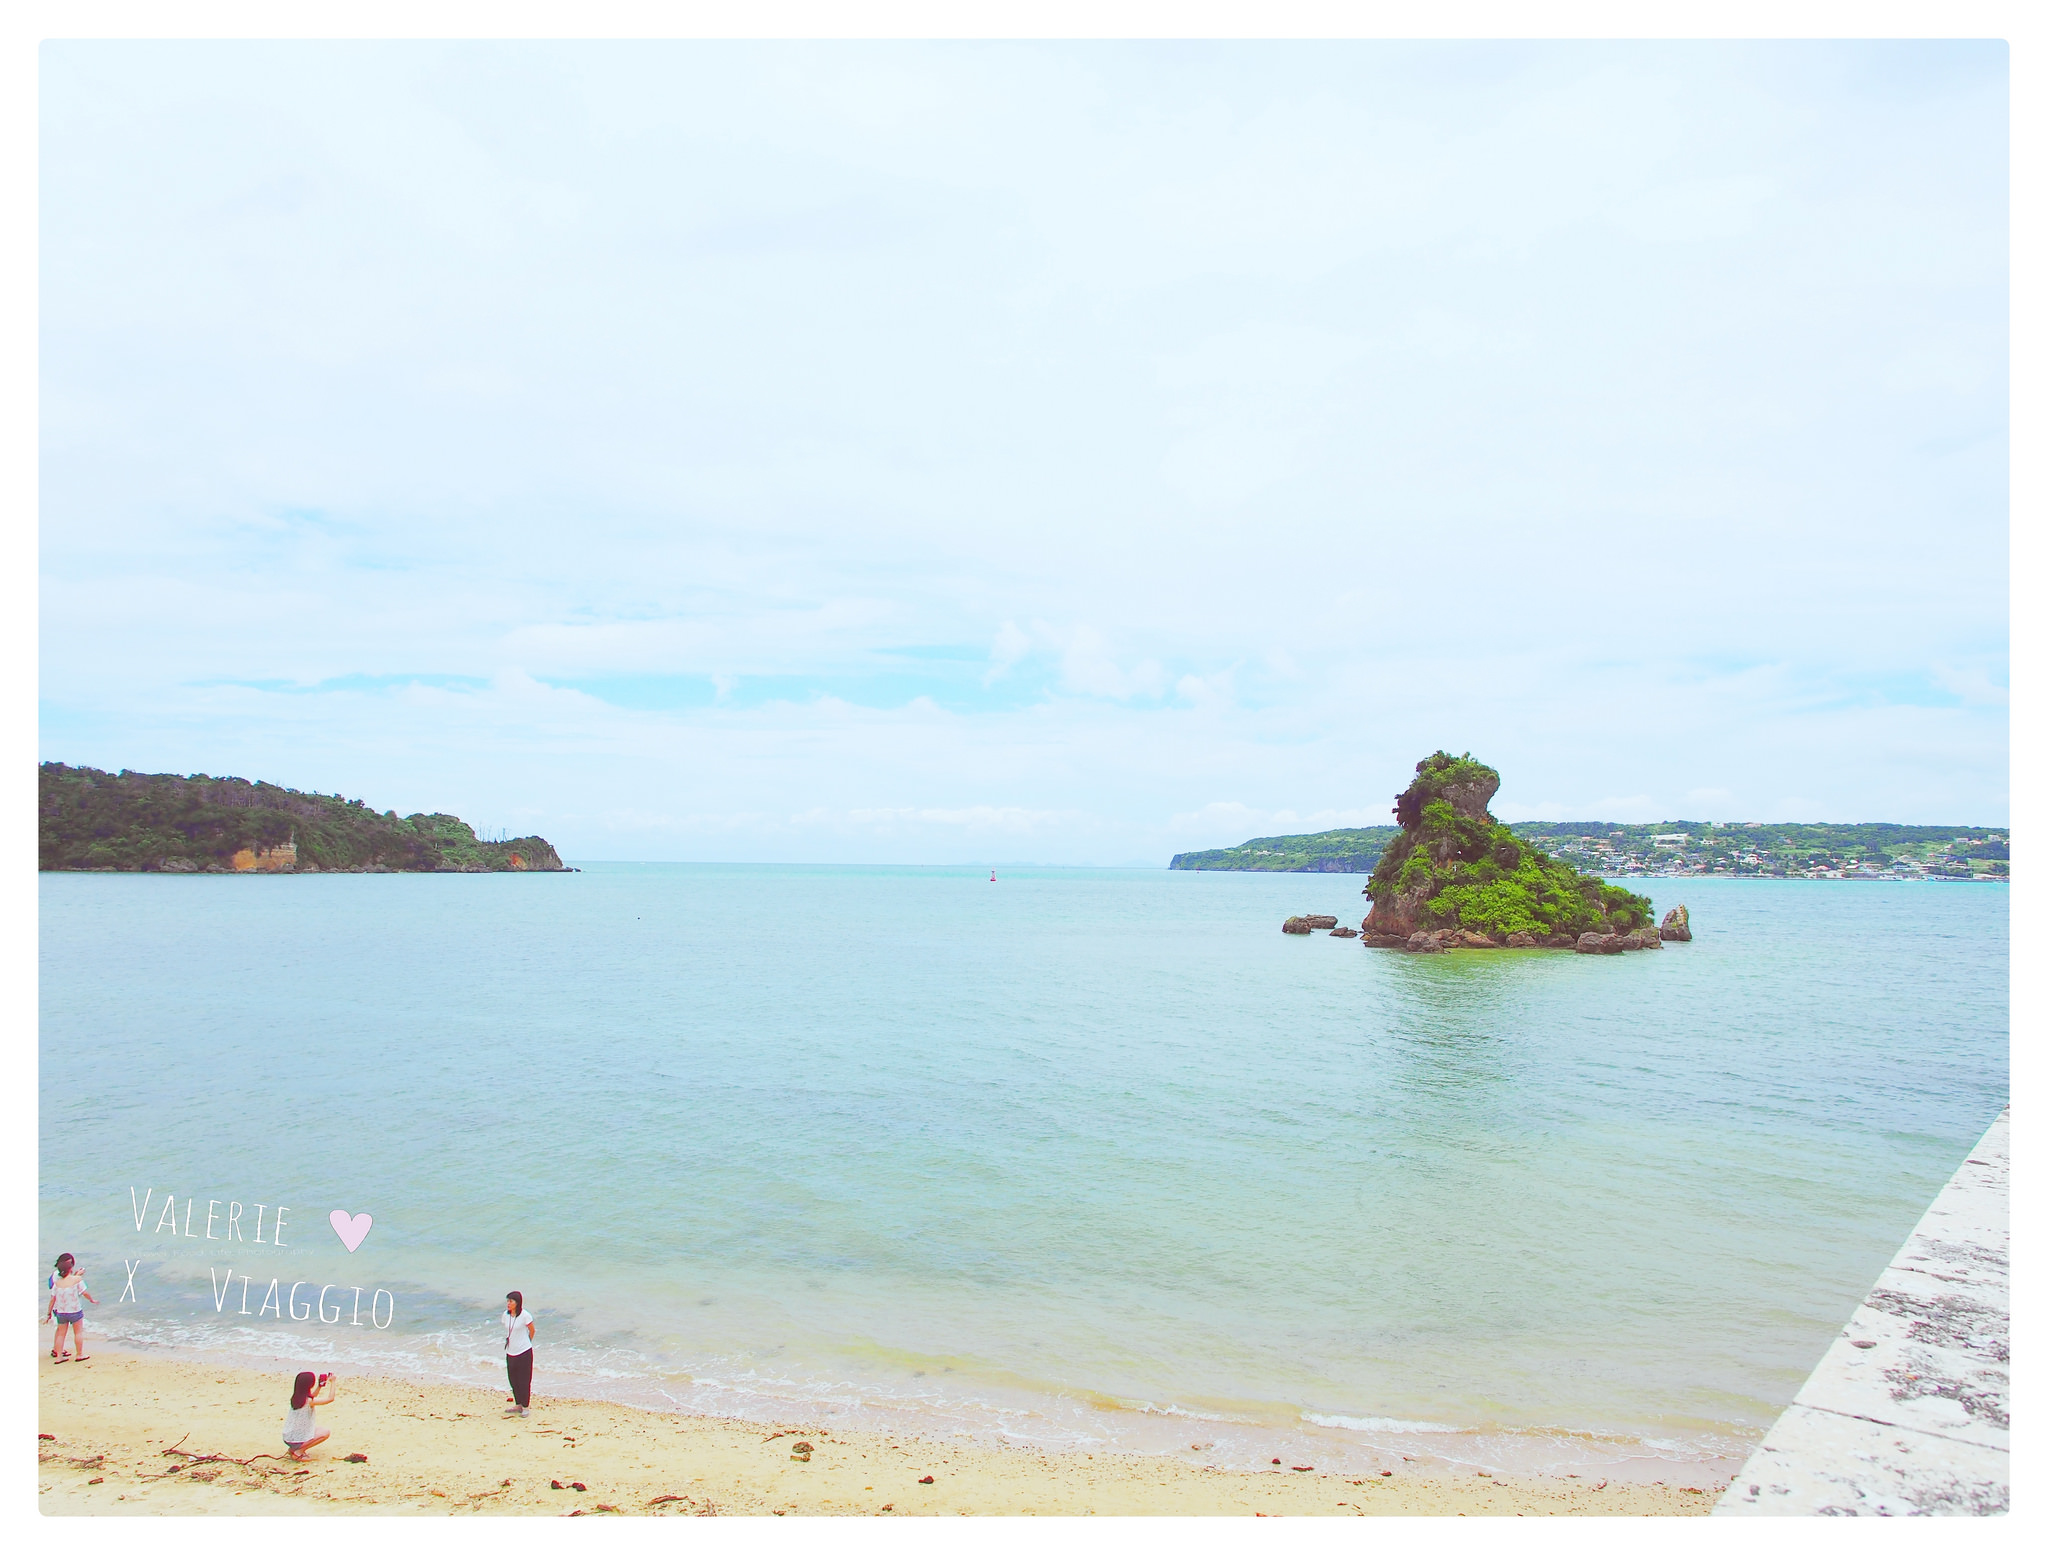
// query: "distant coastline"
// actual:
[[160, 823], [1875, 850]]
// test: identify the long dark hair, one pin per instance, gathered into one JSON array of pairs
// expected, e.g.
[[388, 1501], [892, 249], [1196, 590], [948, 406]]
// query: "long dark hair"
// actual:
[[518, 1303], [65, 1264], [302, 1389]]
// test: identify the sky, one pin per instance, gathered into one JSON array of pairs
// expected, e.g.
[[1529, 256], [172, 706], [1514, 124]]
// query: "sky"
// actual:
[[885, 453]]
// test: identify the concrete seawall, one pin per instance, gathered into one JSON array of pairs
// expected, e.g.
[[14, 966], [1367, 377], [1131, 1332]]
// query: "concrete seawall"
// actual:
[[1908, 1413]]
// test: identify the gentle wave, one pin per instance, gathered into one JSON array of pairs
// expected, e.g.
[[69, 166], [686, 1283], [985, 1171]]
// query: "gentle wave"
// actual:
[[1380, 1425]]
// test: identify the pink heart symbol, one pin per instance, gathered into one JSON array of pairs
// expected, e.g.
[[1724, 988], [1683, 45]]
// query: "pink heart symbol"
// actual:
[[350, 1228]]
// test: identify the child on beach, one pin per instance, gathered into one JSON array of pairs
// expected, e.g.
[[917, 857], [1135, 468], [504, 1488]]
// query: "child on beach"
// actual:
[[302, 1432], [68, 1296], [518, 1351]]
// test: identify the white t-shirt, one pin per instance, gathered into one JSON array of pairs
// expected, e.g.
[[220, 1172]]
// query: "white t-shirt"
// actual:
[[517, 1341]]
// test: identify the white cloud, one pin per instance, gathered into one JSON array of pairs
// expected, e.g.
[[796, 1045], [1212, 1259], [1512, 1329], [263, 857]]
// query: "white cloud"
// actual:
[[1058, 437], [1227, 822], [1087, 667], [1011, 645], [1010, 819]]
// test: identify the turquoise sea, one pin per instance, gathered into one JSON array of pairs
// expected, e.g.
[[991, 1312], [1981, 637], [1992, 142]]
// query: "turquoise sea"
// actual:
[[1077, 1157]]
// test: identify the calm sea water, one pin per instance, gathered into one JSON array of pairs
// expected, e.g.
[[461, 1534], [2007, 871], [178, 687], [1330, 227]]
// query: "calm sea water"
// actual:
[[1077, 1157]]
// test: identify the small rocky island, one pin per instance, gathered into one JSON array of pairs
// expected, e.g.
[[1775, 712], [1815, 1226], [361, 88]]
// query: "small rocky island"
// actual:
[[158, 822], [1457, 879]]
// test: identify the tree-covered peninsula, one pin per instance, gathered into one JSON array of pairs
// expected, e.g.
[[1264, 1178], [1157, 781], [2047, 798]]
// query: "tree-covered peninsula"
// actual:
[[1457, 877], [1352, 851], [159, 822]]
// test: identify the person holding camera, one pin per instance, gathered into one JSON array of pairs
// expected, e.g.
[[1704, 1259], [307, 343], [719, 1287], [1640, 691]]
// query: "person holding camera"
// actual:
[[302, 1432]]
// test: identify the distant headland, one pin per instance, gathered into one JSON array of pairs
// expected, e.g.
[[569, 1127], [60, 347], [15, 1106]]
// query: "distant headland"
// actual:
[[158, 822], [1875, 850]]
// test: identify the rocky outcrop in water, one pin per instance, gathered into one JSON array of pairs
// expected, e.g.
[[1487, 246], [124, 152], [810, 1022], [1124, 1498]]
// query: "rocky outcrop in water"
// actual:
[[1677, 924], [1309, 923], [1456, 879]]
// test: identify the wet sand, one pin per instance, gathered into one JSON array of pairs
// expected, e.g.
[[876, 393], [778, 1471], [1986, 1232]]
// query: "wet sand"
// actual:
[[123, 1433]]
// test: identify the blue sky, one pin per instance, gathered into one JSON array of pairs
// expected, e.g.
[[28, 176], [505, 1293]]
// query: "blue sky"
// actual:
[[898, 453]]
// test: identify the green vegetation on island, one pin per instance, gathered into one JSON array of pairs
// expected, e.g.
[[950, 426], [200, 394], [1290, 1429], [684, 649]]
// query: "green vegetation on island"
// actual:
[[93, 820], [1455, 868]]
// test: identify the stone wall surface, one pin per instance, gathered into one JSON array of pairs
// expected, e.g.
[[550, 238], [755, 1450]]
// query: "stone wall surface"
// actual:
[[1908, 1413]]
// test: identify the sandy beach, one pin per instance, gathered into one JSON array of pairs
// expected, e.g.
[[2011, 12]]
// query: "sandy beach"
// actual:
[[121, 1433]]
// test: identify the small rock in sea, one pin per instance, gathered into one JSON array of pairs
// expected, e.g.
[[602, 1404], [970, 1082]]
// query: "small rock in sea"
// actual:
[[1320, 920], [1343, 933], [1677, 925], [1592, 943], [1522, 939], [926, 1480], [1471, 939], [1425, 941], [1295, 926]]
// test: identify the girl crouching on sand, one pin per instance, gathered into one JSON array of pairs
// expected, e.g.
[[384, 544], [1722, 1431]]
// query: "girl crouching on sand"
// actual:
[[301, 1431]]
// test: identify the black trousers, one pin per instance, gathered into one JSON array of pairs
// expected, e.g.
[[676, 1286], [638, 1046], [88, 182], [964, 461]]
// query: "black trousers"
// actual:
[[520, 1369]]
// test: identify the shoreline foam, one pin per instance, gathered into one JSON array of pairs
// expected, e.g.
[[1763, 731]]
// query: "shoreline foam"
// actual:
[[125, 1433], [1239, 1435]]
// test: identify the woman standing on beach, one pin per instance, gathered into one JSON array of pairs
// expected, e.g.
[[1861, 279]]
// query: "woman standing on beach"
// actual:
[[68, 1296], [518, 1351], [302, 1432]]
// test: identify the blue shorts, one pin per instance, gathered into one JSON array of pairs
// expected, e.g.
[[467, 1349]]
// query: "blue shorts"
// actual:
[[70, 1317]]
